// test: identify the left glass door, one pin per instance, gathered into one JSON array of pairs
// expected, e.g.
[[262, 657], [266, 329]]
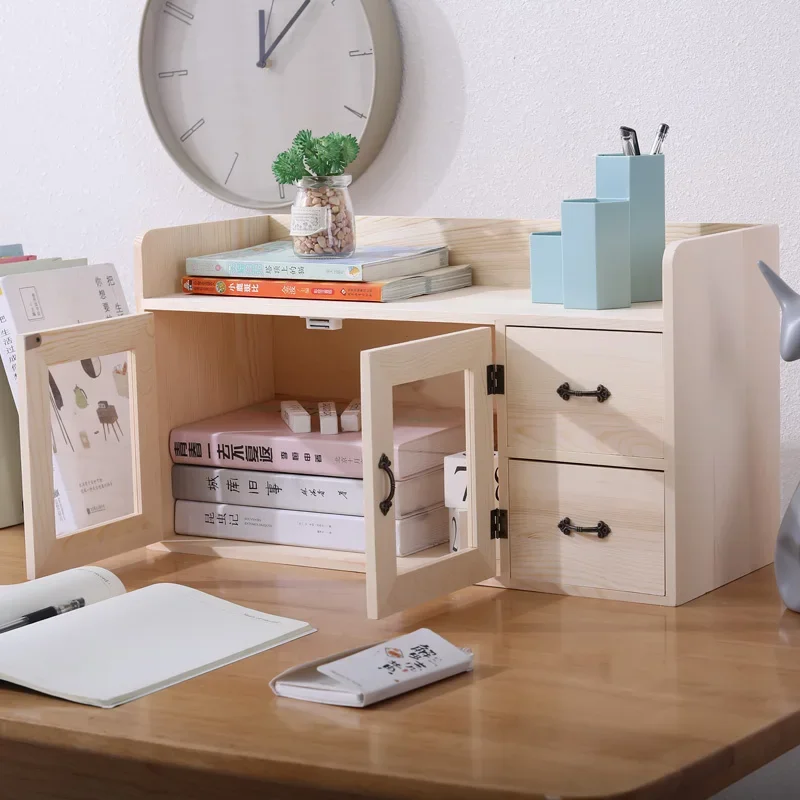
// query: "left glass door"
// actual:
[[104, 426]]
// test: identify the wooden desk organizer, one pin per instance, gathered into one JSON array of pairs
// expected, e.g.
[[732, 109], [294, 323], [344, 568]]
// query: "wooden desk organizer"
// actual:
[[681, 461]]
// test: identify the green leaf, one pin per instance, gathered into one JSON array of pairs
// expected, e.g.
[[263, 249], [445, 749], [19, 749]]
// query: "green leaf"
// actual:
[[288, 167], [303, 140]]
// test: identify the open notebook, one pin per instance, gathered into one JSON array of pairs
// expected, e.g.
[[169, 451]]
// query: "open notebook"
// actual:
[[120, 646]]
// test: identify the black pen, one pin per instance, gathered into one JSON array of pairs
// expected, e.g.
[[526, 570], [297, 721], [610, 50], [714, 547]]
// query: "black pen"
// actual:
[[630, 141], [42, 613]]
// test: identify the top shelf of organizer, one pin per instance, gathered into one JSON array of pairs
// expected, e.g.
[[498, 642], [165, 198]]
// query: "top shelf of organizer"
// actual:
[[498, 251], [484, 305]]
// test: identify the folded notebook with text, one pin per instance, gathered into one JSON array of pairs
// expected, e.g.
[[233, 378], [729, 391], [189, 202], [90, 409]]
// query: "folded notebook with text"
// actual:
[[120, 646], [364, 676]]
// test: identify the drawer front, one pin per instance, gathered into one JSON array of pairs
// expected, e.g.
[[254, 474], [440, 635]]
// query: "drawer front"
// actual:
[[630, 501], [630, 365]]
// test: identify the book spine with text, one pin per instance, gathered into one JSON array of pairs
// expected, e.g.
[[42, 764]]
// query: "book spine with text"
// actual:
[[269, 490], [303, 528], [300, 492], [321, 455], [280, 289], [199, 267]]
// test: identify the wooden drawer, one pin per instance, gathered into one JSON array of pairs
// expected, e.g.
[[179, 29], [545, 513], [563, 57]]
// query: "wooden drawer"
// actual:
[[541, 424], [630, 501]]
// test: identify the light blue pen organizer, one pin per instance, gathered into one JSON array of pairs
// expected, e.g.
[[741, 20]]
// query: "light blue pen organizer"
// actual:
[[639, 179], [610, 248], [595, 243], [547, 285]]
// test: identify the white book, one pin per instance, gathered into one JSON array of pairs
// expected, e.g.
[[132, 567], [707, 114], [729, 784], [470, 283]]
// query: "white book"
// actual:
[[305, 528], [120, 647], [297, 492], [90, 405], [361, 677], [10, 467]]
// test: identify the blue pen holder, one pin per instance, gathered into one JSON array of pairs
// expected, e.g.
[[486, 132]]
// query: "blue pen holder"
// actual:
[[595, 244], [546, 274], [639, 179]]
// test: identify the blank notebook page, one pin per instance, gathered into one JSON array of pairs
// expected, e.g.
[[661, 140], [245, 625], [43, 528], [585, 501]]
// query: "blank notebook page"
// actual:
[[137, 643]]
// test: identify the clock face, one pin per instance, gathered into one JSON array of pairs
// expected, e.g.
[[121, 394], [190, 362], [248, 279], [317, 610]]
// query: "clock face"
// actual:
[[229, 83]]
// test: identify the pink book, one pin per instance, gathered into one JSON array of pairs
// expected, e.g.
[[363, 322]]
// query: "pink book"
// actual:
[[257, 438]]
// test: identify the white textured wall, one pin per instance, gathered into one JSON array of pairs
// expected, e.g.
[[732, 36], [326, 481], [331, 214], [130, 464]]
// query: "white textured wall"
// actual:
[[505, 103], [504, 106]]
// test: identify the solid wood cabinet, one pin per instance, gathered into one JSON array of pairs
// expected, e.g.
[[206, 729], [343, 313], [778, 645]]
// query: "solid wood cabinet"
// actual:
[[679, 461]]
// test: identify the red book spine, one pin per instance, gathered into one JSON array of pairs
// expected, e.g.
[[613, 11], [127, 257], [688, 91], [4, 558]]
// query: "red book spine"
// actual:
[[278, 289], [15, 259]]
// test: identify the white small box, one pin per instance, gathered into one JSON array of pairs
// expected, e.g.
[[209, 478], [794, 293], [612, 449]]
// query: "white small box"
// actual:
[[458, 521], [351, 417], [328, 419], [295, 416], [455, 481]]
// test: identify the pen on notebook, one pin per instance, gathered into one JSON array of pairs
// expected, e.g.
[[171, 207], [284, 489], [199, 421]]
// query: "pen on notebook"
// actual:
[[659, 142], [43, 613], [630, 142]]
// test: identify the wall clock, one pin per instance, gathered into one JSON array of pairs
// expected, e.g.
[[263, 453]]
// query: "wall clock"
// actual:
[[227, 84]]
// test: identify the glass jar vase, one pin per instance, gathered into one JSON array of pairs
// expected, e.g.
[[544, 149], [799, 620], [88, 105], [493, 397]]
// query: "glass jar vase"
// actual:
[[323, 223]]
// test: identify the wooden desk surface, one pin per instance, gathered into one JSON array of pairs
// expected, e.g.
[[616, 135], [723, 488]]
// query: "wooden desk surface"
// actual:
[[569, 698]]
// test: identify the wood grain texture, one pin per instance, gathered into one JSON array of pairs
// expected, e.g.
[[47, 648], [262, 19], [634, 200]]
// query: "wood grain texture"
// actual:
[[630, 502], [630, 365], [477, 305], [46, 553], [314, 363], [498, 249], [160, 254], [650, 703], [207, 364], [392, 584], [722, 415]]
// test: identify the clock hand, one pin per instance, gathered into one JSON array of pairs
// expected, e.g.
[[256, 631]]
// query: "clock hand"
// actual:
[[263, 27], [283, 33]]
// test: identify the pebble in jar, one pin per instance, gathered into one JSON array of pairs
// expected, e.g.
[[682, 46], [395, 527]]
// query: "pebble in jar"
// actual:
[[323, 223]]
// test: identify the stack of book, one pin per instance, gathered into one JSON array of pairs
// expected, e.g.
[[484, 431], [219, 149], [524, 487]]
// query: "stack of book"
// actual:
[[89, 399], [248, 475], [377, 274]]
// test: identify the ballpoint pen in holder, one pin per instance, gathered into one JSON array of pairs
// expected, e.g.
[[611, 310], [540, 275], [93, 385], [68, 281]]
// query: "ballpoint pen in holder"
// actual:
[[627, 142], [659, 142], [630, 141]]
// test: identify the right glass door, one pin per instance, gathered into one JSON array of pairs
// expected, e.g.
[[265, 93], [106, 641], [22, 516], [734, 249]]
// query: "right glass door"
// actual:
[[395, 583]]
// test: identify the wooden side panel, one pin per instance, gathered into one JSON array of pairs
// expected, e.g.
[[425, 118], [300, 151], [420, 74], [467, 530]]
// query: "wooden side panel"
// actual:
[[160, 254], [45, 553], [722, 417], [207, 364]]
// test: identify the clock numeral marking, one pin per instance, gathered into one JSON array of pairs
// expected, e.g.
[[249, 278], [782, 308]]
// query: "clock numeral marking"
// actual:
[[357, 113], [282, 191], [199, 124], [355, 53], [235, 159], [176, 73], [176, 12]]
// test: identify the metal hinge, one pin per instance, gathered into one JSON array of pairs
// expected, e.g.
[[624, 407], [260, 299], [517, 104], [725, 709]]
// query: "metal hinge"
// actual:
[[499, 523], [496, 378]]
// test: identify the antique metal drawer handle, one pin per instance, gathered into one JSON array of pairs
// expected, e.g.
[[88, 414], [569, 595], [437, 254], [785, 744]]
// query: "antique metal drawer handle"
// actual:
[[601, 393], [386, 466], [566, 527]]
